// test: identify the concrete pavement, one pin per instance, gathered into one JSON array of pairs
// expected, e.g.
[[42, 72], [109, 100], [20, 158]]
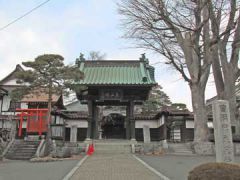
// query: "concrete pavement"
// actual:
[[105, 167], [177, 167], [25, 170]]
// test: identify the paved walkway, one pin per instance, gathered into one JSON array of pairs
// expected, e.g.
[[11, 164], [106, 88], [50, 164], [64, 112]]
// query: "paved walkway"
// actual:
[[113, 166]]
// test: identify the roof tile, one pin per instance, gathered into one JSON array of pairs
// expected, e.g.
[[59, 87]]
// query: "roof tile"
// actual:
[[116, 73]]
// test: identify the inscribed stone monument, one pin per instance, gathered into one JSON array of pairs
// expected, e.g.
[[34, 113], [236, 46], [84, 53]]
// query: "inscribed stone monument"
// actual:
[[222, 131]]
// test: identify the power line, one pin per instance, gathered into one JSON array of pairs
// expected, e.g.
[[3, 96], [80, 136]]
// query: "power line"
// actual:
[[25, 14]]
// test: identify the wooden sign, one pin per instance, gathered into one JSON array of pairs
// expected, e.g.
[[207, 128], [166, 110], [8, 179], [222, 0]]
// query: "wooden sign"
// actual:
[[111, 94]]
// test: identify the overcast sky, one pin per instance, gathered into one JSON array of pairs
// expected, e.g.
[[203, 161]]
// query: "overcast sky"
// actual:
[[68, 27]]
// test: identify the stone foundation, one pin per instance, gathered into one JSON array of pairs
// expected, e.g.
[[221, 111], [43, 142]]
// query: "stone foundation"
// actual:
[[67, 150], [150, 148], [204, 148], [208, 148]]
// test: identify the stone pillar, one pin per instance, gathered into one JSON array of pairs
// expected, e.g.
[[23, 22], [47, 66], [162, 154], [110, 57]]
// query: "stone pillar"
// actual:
[[132, 120], [146, 134], [222, 131], [73, 136], [90, 117], [127, 122]]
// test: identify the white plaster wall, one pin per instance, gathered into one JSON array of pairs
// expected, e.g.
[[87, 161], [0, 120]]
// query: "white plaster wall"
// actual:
[[24, 105], [78, 123], [150, 123], [59, 120], [6, 103], [161, 121], [210, 124], [190, 124]]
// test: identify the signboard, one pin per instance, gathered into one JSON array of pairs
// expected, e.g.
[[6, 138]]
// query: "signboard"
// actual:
[[111, 94]]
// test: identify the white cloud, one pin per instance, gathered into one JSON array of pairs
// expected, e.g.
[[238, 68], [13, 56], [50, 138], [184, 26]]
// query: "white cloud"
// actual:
[[59, 32]]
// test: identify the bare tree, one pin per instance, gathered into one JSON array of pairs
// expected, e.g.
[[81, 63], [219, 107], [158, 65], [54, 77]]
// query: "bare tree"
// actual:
[[178, 30], [96, 55], [225, 46]]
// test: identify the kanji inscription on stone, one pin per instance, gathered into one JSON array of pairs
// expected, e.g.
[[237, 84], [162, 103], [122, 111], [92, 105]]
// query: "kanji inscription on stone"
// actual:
[[222, 131]]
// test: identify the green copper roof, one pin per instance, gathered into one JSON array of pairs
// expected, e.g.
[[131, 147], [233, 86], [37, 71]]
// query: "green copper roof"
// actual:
[[116, 73]]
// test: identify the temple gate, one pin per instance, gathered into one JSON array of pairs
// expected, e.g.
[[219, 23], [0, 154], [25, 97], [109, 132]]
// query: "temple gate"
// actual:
[[114, 83]]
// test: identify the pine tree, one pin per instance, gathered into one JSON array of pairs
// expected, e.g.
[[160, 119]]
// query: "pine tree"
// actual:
[[46, 74], [157, 99]]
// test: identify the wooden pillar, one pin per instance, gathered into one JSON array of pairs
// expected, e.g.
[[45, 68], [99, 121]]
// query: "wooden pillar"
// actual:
[[132, 120], [164, 127], [127, 123], [90, 117], [94, 122]]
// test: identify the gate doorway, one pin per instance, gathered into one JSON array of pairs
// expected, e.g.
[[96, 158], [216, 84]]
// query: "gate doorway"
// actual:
[[113, 126]]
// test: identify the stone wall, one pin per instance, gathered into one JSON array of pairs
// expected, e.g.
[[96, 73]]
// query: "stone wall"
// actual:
[[149, 148], [208, 148], [67, 149], [204, 148]]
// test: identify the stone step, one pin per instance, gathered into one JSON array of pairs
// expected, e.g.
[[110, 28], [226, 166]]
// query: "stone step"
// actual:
[[110, 151], [22, 150], [19, 158], [24, 147], [112, 148], [180, 149]]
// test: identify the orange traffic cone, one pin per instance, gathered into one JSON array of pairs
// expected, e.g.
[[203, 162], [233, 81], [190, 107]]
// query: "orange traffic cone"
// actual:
[[90, 150]]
